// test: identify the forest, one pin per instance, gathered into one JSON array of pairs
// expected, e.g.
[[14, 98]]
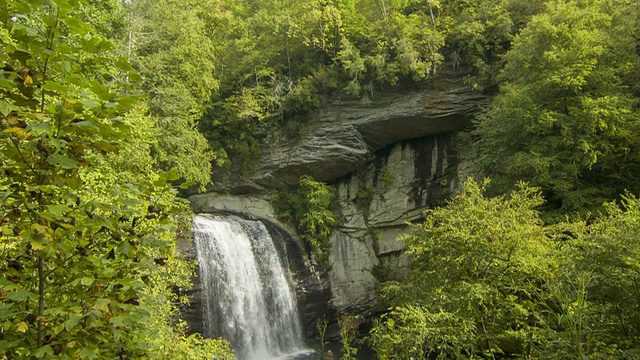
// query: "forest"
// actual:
[[112, 110]]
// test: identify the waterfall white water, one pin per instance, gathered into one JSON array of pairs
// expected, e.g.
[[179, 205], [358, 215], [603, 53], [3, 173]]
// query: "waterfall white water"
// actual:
[[246, 295]]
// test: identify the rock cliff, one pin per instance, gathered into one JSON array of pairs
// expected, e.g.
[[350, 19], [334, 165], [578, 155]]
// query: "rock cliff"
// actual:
[[389, 159]]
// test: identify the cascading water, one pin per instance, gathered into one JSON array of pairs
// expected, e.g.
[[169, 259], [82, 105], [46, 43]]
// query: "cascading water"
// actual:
[[246, 296]]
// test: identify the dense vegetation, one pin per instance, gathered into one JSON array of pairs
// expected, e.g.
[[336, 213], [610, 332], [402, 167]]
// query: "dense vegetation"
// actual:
[[88, 222], [278, 60], [548, 272], [566, 118], [105, 105], [309, 208], [490, 280]]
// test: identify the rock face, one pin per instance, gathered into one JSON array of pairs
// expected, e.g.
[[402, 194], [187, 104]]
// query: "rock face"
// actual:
[[348, 133], [389, 160], [252, 207], [376, 203]]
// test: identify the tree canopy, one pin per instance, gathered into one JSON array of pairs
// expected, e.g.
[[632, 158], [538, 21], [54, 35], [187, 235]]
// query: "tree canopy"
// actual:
[[566, 117], [490, 280], [87, 223]]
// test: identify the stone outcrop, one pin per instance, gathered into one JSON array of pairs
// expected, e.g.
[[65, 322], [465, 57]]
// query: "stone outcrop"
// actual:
[[376, 203], [251, 207], [389, 159], [347, 133]]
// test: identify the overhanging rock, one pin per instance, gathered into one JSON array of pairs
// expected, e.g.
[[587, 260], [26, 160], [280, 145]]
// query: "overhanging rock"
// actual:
[[348, 132]]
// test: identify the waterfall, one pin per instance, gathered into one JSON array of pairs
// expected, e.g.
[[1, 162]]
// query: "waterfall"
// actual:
[[246, 294]]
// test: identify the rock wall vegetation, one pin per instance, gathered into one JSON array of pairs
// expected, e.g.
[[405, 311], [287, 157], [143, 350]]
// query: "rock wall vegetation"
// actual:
[[379, 181]]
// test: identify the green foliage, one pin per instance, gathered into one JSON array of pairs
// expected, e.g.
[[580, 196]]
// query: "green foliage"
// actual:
[[349, 335], [566, 117], [402, 332], [489, 280], [480, 32], [172, 49], [599, 315], [321, 326], [87, 228], [478, 267], [309, 208], [278, 60]]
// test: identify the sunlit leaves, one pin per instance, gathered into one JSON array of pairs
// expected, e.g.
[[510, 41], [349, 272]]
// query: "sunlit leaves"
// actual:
[[170, 46], [78, 243], [490, 279], [278, 60], [565, 117], [479, 266]]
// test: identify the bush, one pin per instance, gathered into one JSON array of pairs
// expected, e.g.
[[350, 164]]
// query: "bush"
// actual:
[[309, 209]]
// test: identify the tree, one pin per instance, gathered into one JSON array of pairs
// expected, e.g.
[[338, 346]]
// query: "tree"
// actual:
[[480, 32], [489, 279], [566, 117], [171, 47], [478, 272], [599, 296], [87, 231]]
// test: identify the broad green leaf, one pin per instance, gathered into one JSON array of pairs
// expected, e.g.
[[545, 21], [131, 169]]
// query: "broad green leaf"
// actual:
[[7, 84], [38, 243], [91, 103], [41, 128], [123, 64], [22, 295], [58, 211], [72, 322], [167, 176], [86, 353], [5, 345], [56, 143], [78, 79], [8, 285], [187, 184], [100, 90], [102, 305], [63, 161], [86, 126], [127, 102], [106, 146], [65, 66], [118, 321], [46, 350], [76, 26], [5, 108], [55, 86], [30, 31], [73, 181], [64, 6], [135, 77], [6, 311]]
